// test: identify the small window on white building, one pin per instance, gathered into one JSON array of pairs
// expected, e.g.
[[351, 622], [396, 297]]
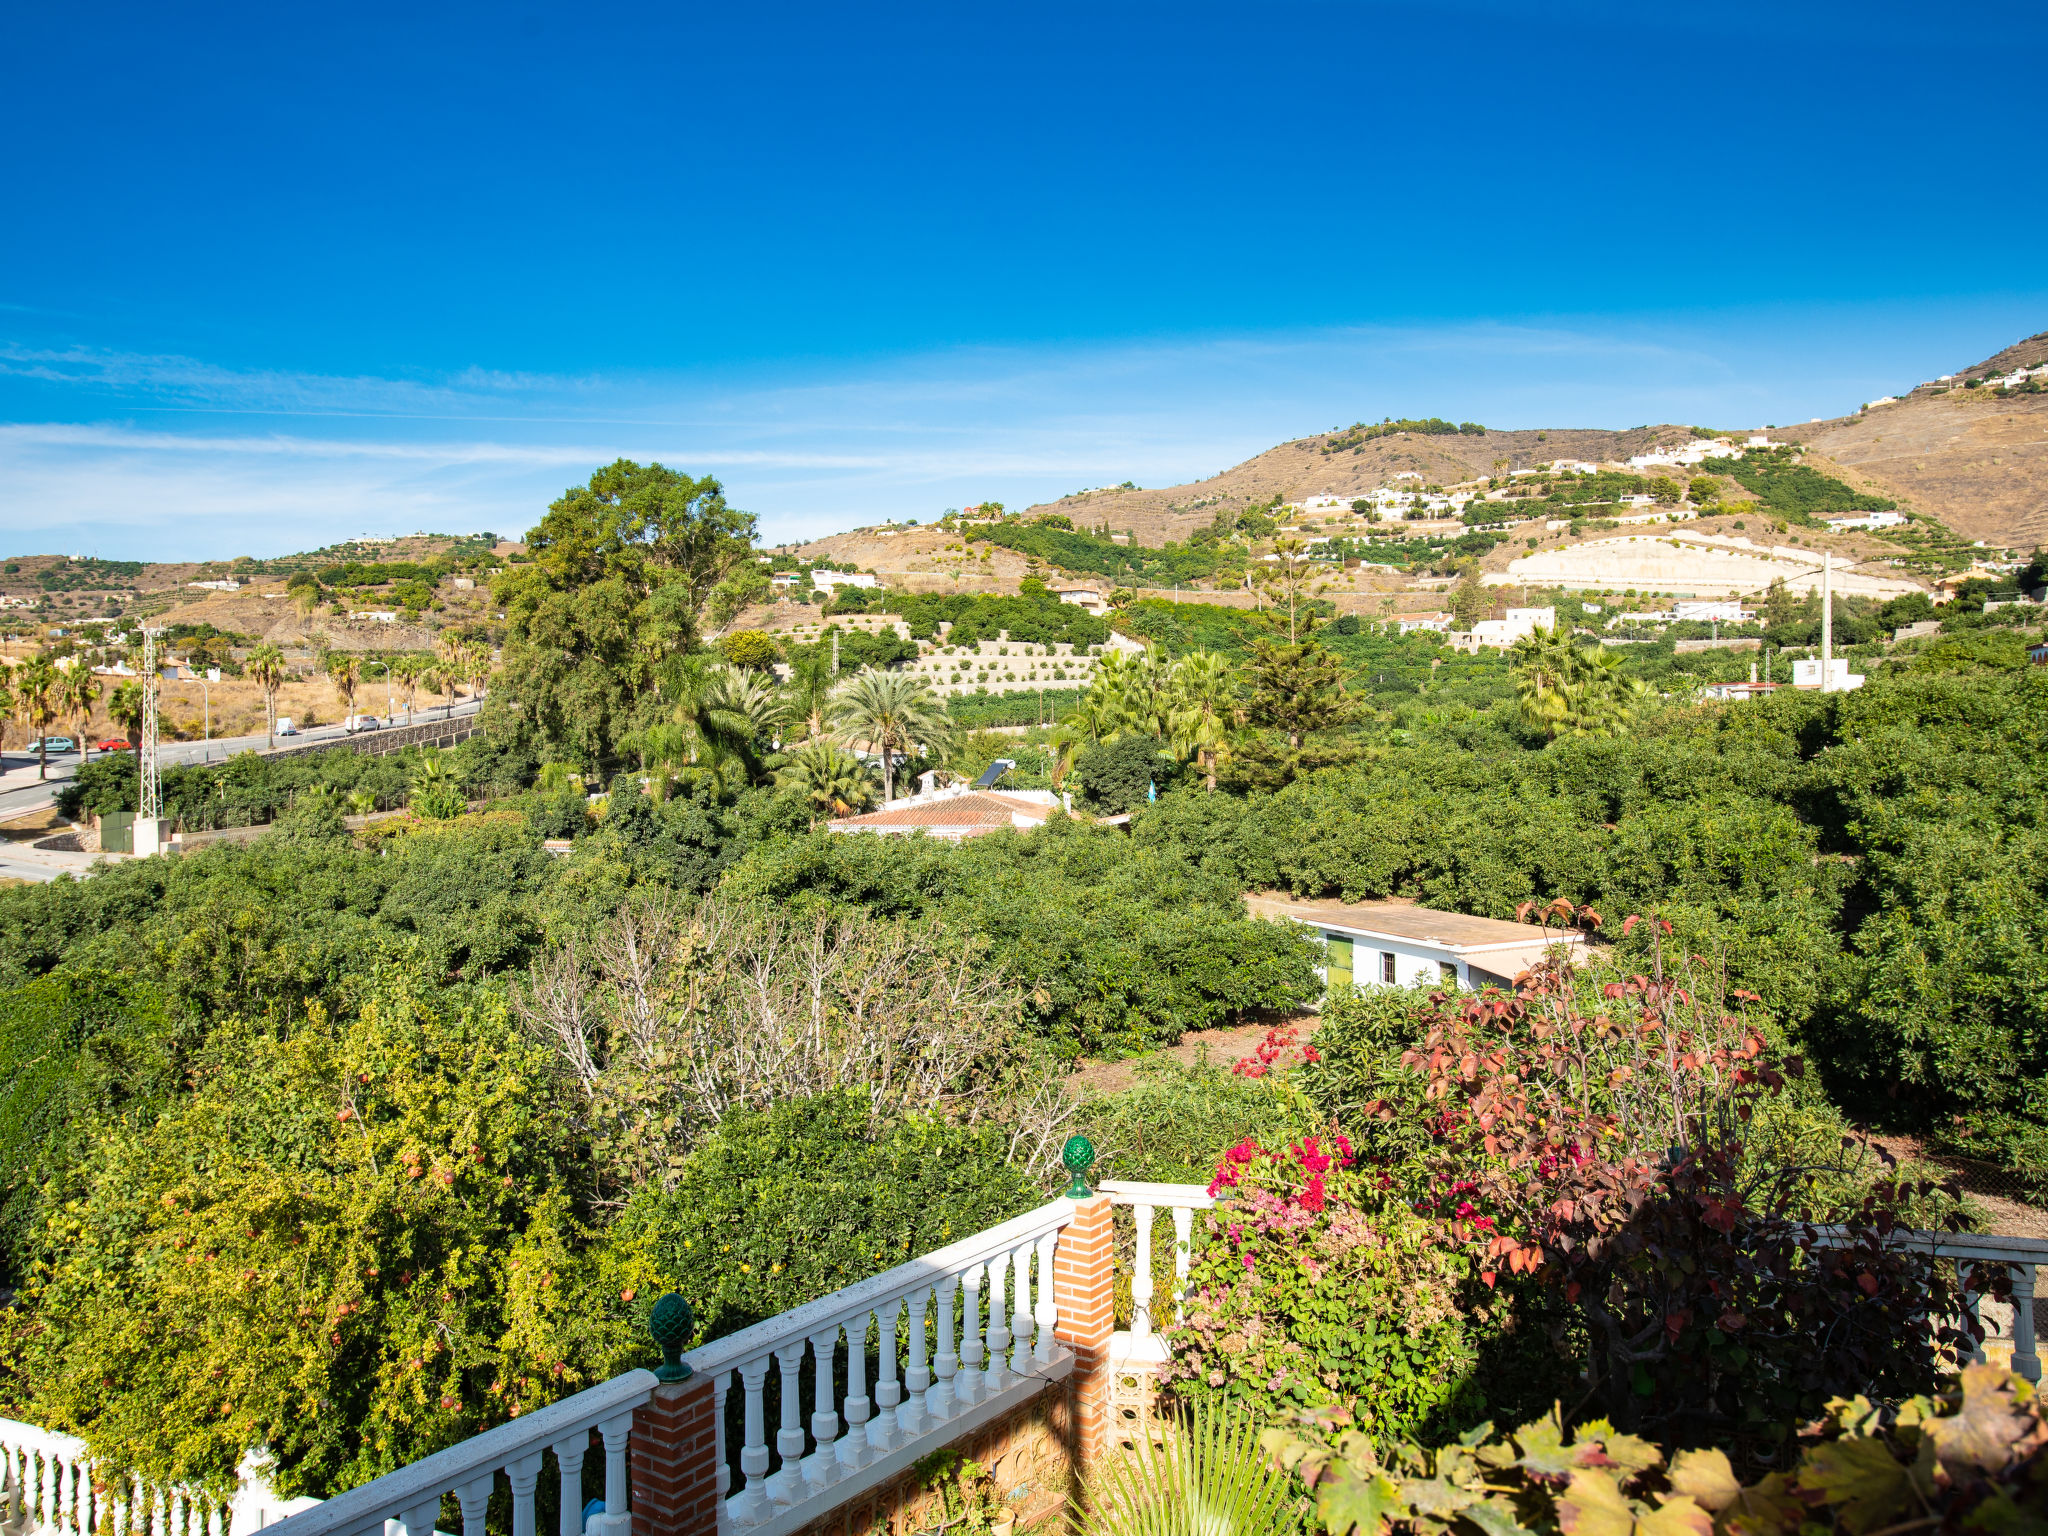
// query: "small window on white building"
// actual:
[[1387, 966], [1448, 971]]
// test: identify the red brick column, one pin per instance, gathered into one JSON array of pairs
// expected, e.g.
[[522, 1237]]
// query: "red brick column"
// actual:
[[1083, 1287], [675, 1461]]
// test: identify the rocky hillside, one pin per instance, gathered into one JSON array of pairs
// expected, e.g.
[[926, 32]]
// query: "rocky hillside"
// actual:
[[1339, 464], [1977, 459]]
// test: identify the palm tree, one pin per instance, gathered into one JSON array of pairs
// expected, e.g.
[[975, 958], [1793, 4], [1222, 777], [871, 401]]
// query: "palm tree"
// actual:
[[893, 712], [408, 670], [476, 667], [1599, 697], [345, 671], [266, 669], [78, 694], [810, 681], [124, 707], [1090, 722], [746, 704], [448, 650], [1205, 708], [1545, 662], [36, 686], [7, 702], [835, 781]]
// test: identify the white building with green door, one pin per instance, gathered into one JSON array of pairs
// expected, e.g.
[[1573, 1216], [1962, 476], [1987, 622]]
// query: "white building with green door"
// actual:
[[1399, 944]]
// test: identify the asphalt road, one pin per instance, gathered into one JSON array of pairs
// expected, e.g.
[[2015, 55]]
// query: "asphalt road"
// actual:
[[20, 798]]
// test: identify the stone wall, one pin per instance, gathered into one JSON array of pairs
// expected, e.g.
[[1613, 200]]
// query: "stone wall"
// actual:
[[1032, 1452], [426, 733]]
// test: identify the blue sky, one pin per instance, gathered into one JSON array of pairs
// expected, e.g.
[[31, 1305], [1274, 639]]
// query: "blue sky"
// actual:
[[280, 275]]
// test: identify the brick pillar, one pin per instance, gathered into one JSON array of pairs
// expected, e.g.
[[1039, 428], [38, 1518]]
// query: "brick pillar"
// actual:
[[675, 1461], [1083, 1287]]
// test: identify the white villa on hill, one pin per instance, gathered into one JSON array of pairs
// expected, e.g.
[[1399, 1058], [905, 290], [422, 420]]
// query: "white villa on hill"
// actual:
[[1398, 944]]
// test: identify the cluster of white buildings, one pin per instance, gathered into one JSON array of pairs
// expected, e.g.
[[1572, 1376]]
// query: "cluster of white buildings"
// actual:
[[2017, 377], [1685, 455], [1499, 634], [1864, 520]]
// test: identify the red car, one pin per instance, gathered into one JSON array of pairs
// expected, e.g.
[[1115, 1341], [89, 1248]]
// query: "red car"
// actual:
[[117, 744]]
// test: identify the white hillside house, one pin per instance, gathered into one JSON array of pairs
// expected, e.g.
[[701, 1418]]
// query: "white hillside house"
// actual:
[[1398, 944]]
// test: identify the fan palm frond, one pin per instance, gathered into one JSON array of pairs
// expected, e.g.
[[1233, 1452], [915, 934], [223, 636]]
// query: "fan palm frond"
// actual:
[[1209, 1478]]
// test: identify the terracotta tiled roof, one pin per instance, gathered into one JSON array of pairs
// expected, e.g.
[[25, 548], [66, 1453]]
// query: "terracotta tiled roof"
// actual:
[[982, 809], [1405, 920]]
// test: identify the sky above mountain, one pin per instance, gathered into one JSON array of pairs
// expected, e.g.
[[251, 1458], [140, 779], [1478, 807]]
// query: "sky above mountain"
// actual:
[[278, 276]]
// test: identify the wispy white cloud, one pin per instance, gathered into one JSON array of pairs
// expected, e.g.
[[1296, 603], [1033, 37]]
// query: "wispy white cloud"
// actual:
[[164, 455]]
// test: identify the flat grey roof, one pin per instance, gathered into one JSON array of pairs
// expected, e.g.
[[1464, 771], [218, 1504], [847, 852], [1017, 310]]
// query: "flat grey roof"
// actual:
[[1405, 920]]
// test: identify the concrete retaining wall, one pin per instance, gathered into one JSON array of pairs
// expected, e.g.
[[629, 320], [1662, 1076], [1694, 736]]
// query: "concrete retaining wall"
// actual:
[[424, 733]]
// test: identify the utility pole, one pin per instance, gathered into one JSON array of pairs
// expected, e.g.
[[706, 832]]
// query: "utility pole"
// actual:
[[1827, 621], [151, 791]]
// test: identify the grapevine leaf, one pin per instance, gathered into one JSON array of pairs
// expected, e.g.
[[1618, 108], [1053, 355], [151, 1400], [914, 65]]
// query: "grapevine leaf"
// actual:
[[1984, 1433], [1676, 1516], [1860, 1475], [1495, 1518], [1543, 1450], [1435, 1497], [1706, 1478], [1593, 1506], [1626, 1452], [1999, 1514], [1349, 1502], [1764, 1510]]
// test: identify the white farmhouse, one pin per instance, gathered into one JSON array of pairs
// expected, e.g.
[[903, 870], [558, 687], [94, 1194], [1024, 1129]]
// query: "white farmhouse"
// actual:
[[1410, 622], [1806, 674], [1519, 624], [1085, 598], [829, 582], [1398, 944]]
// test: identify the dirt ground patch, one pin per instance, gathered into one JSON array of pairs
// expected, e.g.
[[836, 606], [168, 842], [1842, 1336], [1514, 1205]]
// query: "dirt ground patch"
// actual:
[[1224, 1047], [35, 825]]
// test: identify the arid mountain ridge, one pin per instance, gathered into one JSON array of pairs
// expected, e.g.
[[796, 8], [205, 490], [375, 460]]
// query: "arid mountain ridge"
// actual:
[[1976, 459]]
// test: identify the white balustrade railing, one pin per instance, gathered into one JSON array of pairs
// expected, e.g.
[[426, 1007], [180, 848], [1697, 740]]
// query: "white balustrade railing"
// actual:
[[1139, 1342], [49, 1487], [975, 1321], [408, 1502], [2020, 1257], [988, 1304]]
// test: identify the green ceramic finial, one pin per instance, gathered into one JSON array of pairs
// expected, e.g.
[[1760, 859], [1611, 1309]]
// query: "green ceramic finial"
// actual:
[[671, 1322], [1079, 1157]]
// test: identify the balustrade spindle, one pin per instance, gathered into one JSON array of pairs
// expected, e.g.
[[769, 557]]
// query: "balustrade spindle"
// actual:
[[968, 1383], [1048, 1308], [821, 1466], [888, 1390], [2025, 1361], [569, 1454], [524, 1475], [1183, 1252], [1021, 1325], [939, 1401], [419, 1520], [1141, 1275], [719, 1386], [786, 1484], [754, 1448], [475, 1498], [852, 1449], [997, 1376], [917, 1377], [616, 1431]]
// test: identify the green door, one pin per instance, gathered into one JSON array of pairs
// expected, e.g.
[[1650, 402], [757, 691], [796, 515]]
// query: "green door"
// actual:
[[1336, 962]]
